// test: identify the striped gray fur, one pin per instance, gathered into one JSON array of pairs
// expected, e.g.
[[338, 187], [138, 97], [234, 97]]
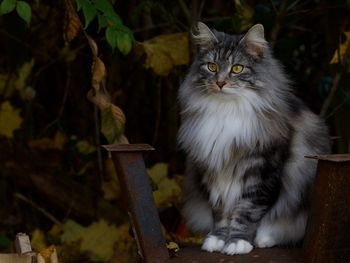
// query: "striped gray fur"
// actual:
[[247, 181]]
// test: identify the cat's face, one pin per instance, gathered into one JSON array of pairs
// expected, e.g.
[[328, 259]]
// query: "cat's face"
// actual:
[[225, 62]]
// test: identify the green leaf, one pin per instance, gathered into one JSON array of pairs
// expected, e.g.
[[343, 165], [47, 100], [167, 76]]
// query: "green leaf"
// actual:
[[24, 11], [7, 6], [120, 37], [114, 19], [102, 22], [111, 36], [113, 1], [80, 4], [104, 6], [124, 42], [89, 12], [4, 241]]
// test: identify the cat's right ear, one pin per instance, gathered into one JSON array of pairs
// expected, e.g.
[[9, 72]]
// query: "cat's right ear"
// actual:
[[202, 36]]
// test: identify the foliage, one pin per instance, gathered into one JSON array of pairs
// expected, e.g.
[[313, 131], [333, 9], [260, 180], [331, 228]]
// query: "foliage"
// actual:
[[164, 52], [22, 8], [9, 119], [117, 34], [342, 50]]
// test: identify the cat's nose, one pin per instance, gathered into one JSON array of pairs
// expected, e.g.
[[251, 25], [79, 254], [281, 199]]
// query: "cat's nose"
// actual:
[[221, 84]]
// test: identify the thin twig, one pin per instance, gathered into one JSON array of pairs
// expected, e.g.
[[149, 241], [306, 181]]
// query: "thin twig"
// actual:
[[186, 10], [158, 110], [329, 98], [273, 6], [201, 7], [65, 96], [98, 143], [37, 207], [335, 85], [336, 109], [216, 18], [276, 29]]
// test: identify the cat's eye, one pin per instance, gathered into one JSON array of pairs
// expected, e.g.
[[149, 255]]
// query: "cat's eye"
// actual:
[[213, 67], [237, 68]]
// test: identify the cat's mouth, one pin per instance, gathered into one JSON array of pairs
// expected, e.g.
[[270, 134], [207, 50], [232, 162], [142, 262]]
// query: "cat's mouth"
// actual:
[[225, 90]]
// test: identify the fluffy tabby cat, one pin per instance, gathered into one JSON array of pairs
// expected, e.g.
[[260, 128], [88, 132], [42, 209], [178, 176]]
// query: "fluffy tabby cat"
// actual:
[[245, 135]]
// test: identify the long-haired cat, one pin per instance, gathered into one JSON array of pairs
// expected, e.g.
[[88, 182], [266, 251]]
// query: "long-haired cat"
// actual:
[[245, 135]]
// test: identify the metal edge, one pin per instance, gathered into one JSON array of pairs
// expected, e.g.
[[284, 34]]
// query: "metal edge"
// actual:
[[128, 147]]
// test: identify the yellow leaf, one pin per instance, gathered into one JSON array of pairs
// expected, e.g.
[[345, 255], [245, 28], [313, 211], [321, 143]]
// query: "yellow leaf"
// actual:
[[57, 142], [112, 123], [100, 238], [169, 190], [85, 147], [165, 52], [9, 119], [339, 54], [23, 73], [173, 246], [38, 240], [55, 231], [245, 16], [47, 252]]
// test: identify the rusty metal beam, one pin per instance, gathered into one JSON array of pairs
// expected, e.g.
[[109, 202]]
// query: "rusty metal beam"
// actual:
[[135, 183], [328, 232]]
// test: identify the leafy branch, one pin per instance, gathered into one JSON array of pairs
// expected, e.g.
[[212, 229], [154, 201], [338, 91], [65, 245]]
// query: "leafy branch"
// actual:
[[117, 34]]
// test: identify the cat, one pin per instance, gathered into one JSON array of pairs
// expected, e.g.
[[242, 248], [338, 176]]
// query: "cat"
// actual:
[[245, 135]]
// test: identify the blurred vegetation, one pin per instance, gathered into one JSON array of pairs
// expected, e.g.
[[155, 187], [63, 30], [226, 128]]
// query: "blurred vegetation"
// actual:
[[128, 58]]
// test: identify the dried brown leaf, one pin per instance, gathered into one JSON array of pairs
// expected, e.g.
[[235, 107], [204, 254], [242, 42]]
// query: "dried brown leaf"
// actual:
[[112, 117], [98, 73], [72, 24], [92, 45]]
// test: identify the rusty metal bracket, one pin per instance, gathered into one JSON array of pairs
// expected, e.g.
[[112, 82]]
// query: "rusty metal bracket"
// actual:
[[131, 171], [327, 237]]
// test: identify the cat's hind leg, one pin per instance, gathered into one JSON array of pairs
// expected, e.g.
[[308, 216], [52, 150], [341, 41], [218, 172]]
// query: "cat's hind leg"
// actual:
[[281, 231], [198, 214]]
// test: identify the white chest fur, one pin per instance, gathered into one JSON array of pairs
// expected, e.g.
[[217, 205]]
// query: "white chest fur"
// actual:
[[212, 135]]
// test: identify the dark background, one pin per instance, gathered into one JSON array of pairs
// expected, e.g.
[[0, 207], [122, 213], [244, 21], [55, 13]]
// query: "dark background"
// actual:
[[303, 34]]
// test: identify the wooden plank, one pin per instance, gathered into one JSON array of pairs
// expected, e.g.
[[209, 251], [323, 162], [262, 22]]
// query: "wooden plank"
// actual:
[[22, 243], [193, 254], [15, 258]]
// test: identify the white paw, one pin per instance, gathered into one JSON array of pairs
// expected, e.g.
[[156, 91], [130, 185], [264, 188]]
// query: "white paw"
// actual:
[[238, 247], [264, 241], [212, 243]]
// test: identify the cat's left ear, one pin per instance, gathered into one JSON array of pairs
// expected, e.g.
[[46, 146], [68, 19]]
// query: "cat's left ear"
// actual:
[[254, 40]]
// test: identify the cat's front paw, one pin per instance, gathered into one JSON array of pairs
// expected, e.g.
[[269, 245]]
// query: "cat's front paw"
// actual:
[[213, 243], [239, 246]]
